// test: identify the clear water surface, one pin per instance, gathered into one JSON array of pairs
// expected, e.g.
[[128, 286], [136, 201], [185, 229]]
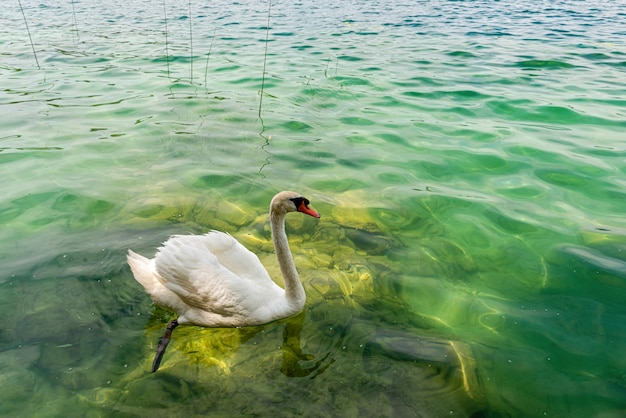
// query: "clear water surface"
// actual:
[[468, 159]]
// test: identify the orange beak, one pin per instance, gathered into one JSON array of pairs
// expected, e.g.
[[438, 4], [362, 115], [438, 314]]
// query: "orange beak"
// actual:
[[305, 209]]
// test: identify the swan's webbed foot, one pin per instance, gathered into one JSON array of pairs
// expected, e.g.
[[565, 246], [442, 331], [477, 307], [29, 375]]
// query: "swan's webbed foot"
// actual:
[[163, 342]]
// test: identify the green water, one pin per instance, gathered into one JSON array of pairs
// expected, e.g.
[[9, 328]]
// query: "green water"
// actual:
[[468, 160]]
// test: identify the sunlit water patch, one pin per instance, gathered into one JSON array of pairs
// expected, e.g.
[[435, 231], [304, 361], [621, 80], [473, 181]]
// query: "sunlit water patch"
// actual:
[[467, 159]]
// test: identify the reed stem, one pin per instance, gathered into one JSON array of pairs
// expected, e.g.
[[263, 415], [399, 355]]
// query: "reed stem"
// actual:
[[190, 47], [167, 52], [267, 35], [32, 45]]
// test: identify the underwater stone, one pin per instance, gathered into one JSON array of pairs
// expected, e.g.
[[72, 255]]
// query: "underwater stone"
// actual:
[[370, 242], [233, 214]]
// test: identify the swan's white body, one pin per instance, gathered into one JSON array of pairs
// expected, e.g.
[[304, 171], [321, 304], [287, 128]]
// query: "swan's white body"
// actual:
[[213, 281]]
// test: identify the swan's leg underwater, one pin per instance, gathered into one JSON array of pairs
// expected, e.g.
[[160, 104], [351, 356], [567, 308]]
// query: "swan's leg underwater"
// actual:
[[163, 342]]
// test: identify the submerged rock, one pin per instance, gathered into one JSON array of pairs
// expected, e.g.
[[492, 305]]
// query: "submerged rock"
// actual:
[[373, 243], [433, 376]]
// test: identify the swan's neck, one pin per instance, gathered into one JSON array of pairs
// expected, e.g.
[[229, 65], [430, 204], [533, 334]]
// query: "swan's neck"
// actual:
[[294, 291]]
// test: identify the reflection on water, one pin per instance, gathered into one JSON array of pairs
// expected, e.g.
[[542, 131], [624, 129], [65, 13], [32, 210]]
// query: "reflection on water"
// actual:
[[293, 358]]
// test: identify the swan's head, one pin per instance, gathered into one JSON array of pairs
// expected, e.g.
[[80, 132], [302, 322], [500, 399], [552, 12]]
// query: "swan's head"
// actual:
[[285, 202]]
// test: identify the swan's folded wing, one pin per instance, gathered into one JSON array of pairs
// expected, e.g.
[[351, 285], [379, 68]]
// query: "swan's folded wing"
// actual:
[[209, 293], [234, 256], [188, 266]]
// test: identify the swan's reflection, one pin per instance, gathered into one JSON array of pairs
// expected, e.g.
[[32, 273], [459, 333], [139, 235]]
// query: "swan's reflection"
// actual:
[[223, 348], [293, 355]]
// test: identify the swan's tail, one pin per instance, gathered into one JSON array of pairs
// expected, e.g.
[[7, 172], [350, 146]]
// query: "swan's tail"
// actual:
[[143, 270], [145, 273]]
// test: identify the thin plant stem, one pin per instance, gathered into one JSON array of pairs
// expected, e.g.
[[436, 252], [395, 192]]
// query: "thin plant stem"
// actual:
[[167, 52], [206, 67], [32, 45], [75, 30], [190, 46], [267, 35]]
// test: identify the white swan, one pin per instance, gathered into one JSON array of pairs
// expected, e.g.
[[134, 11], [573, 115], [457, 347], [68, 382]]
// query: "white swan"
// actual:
[[213, 281]]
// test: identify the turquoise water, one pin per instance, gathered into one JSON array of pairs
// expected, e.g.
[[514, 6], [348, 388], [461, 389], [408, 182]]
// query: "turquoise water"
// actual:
[[468, 160]]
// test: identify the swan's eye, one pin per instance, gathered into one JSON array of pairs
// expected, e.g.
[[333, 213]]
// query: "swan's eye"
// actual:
[[299, 200]]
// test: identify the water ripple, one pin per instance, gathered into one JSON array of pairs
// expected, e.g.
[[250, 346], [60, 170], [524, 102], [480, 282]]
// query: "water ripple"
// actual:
[[467, 159]]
